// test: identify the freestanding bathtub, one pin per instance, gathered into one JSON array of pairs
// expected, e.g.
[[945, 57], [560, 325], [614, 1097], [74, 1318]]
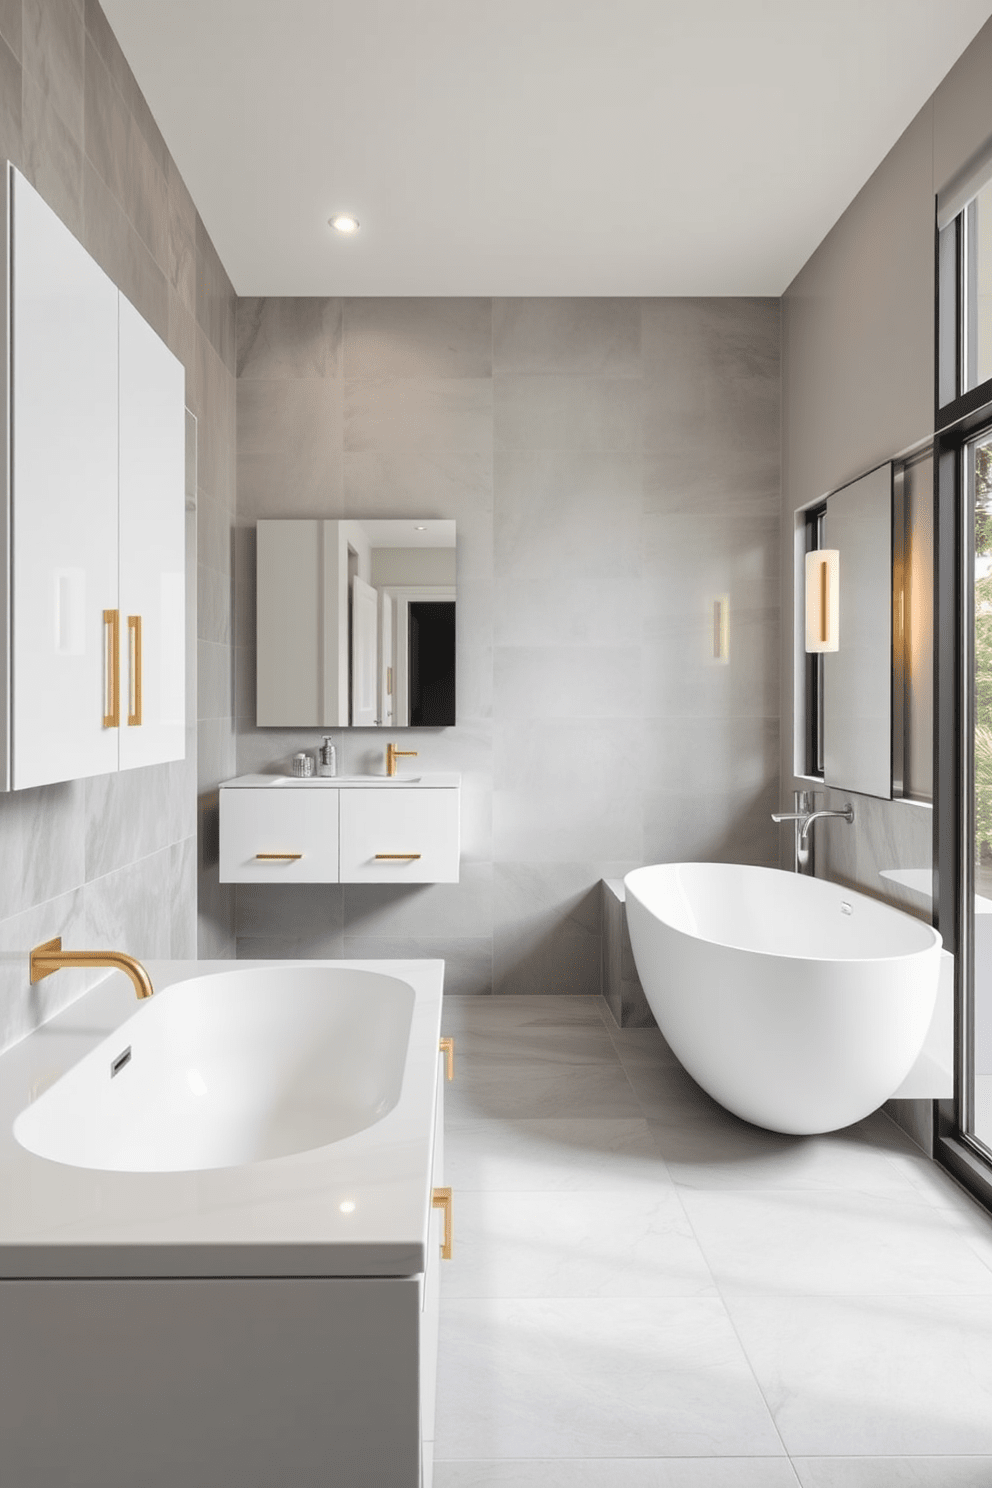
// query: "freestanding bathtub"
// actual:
[[797, 1004]]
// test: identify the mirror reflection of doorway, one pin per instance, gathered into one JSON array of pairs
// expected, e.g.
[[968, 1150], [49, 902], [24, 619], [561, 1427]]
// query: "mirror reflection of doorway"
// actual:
[[432, 663]]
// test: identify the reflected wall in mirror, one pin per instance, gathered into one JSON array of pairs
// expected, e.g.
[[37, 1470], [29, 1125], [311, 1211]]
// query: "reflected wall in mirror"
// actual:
[[857, 677], [356, 623]]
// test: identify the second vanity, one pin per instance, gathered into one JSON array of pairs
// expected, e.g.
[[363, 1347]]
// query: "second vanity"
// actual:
[[340, 829], [222, 1230]]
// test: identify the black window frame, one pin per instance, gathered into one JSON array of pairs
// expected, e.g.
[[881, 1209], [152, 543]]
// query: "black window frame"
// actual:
[[960, 414]]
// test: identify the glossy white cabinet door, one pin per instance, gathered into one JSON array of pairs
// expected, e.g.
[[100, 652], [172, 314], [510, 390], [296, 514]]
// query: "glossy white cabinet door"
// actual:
[[64, 509], [281, 834], [152, 546], [399, 834]]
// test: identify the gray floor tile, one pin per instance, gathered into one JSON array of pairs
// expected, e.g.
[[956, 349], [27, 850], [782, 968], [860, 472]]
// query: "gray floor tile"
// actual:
[[670, 1472], [606, 1377], [598, 1154], [866, 1376], [894, 1472], [577, 1244], [494, 1088]]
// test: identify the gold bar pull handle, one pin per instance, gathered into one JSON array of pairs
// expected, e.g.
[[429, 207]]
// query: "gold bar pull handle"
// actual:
[[279, 857], [441, 1199], [447, 1047], [397, 857], [134, 645], [112, 669]]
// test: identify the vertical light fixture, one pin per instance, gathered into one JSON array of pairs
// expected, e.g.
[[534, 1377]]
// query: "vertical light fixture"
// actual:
[[721, 629], [823, 600]]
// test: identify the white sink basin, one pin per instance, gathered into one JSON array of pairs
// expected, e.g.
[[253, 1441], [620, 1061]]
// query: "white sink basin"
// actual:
[[336, 780], [230, 1070]]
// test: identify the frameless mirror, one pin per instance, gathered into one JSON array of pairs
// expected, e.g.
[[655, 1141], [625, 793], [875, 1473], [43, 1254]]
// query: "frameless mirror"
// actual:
[[857, 677], [356, 623]]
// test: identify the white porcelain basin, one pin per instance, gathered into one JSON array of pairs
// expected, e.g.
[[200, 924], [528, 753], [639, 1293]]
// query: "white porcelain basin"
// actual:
[[228, 1070], [336, 780]]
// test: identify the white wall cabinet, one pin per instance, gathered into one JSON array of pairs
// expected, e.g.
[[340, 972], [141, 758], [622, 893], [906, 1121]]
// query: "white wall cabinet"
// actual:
[[94, 568], [152, 595], [277, 830]]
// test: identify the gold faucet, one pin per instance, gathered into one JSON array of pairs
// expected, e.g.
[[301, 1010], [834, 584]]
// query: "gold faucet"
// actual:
[[393, 754], [51, 957]]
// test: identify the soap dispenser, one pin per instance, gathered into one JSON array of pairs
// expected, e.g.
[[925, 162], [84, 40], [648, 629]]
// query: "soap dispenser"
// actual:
[[327, 759]]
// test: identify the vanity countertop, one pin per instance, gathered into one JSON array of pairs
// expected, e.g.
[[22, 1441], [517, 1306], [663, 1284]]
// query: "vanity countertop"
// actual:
[[276, 1218], [444, 781]]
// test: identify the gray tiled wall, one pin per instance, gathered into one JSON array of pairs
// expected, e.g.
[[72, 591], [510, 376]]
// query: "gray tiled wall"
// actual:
[[113, 860], [613, 466]]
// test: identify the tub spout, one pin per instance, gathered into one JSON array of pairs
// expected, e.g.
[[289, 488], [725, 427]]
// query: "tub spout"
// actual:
[[51, 957], [847, 815], [804, 816]]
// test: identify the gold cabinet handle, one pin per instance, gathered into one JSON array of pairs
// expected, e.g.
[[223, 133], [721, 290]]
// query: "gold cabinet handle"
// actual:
[[447, 1047], [112, 669], [134, 646], [441, 1199], [281, 857], [394, 857]]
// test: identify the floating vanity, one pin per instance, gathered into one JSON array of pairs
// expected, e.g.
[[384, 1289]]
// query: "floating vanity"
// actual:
[[225, 1270], [345, 829]]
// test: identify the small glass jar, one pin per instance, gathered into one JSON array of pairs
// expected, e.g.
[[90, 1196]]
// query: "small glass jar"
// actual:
[[302, 765]]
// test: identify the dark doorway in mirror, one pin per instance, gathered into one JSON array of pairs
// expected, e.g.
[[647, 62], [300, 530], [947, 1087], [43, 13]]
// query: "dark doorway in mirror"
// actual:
[[432, 663]]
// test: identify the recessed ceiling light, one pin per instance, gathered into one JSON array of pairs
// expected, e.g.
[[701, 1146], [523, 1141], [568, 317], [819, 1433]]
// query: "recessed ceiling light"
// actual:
[[420, 529], [343, 222]]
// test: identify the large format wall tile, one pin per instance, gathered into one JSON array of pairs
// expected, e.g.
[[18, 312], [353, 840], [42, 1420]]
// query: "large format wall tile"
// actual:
[[52, 51], [280, 338], [567, 413], [567, 556], [289, 448], [434, 413], [580, 338], [613, 468], [420, 339]]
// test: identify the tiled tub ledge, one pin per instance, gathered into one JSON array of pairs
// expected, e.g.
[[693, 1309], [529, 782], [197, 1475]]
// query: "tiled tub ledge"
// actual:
[[622, 989]]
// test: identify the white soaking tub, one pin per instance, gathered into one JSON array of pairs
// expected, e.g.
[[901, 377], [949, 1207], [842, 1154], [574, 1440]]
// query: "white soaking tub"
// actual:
[[218, 1249], [797, 1004]]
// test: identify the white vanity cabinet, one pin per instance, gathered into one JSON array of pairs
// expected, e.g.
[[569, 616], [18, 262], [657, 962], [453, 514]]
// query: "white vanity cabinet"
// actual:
[[275, 829], [278, 836], [408, 835], [94, 626]]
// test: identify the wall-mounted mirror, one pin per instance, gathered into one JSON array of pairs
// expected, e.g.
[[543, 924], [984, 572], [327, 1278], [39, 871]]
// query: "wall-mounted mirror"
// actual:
[[845, 618], [356, 623]]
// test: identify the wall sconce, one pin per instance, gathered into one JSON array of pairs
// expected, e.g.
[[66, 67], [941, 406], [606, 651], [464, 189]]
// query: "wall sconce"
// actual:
[[721, 629], [823, 600]]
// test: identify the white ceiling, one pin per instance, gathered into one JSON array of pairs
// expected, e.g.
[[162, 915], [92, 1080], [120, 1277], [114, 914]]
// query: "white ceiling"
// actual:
[[532, 147]]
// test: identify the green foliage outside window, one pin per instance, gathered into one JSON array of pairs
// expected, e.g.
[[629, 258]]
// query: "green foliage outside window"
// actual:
[[983, 656]]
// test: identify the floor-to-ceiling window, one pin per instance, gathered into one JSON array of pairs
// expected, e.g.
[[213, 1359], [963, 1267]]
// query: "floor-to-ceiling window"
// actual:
[[963, 679]]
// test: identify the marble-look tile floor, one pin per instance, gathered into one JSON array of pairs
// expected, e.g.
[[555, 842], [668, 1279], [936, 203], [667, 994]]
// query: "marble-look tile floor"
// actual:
[[648, 1293]]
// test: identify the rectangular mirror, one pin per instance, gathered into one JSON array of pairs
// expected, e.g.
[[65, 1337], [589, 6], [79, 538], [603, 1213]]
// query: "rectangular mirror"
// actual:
[[857, 677], [356, 623]]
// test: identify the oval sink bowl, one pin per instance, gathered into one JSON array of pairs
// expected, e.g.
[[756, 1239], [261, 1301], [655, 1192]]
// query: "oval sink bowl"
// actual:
[[226, 1070]]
